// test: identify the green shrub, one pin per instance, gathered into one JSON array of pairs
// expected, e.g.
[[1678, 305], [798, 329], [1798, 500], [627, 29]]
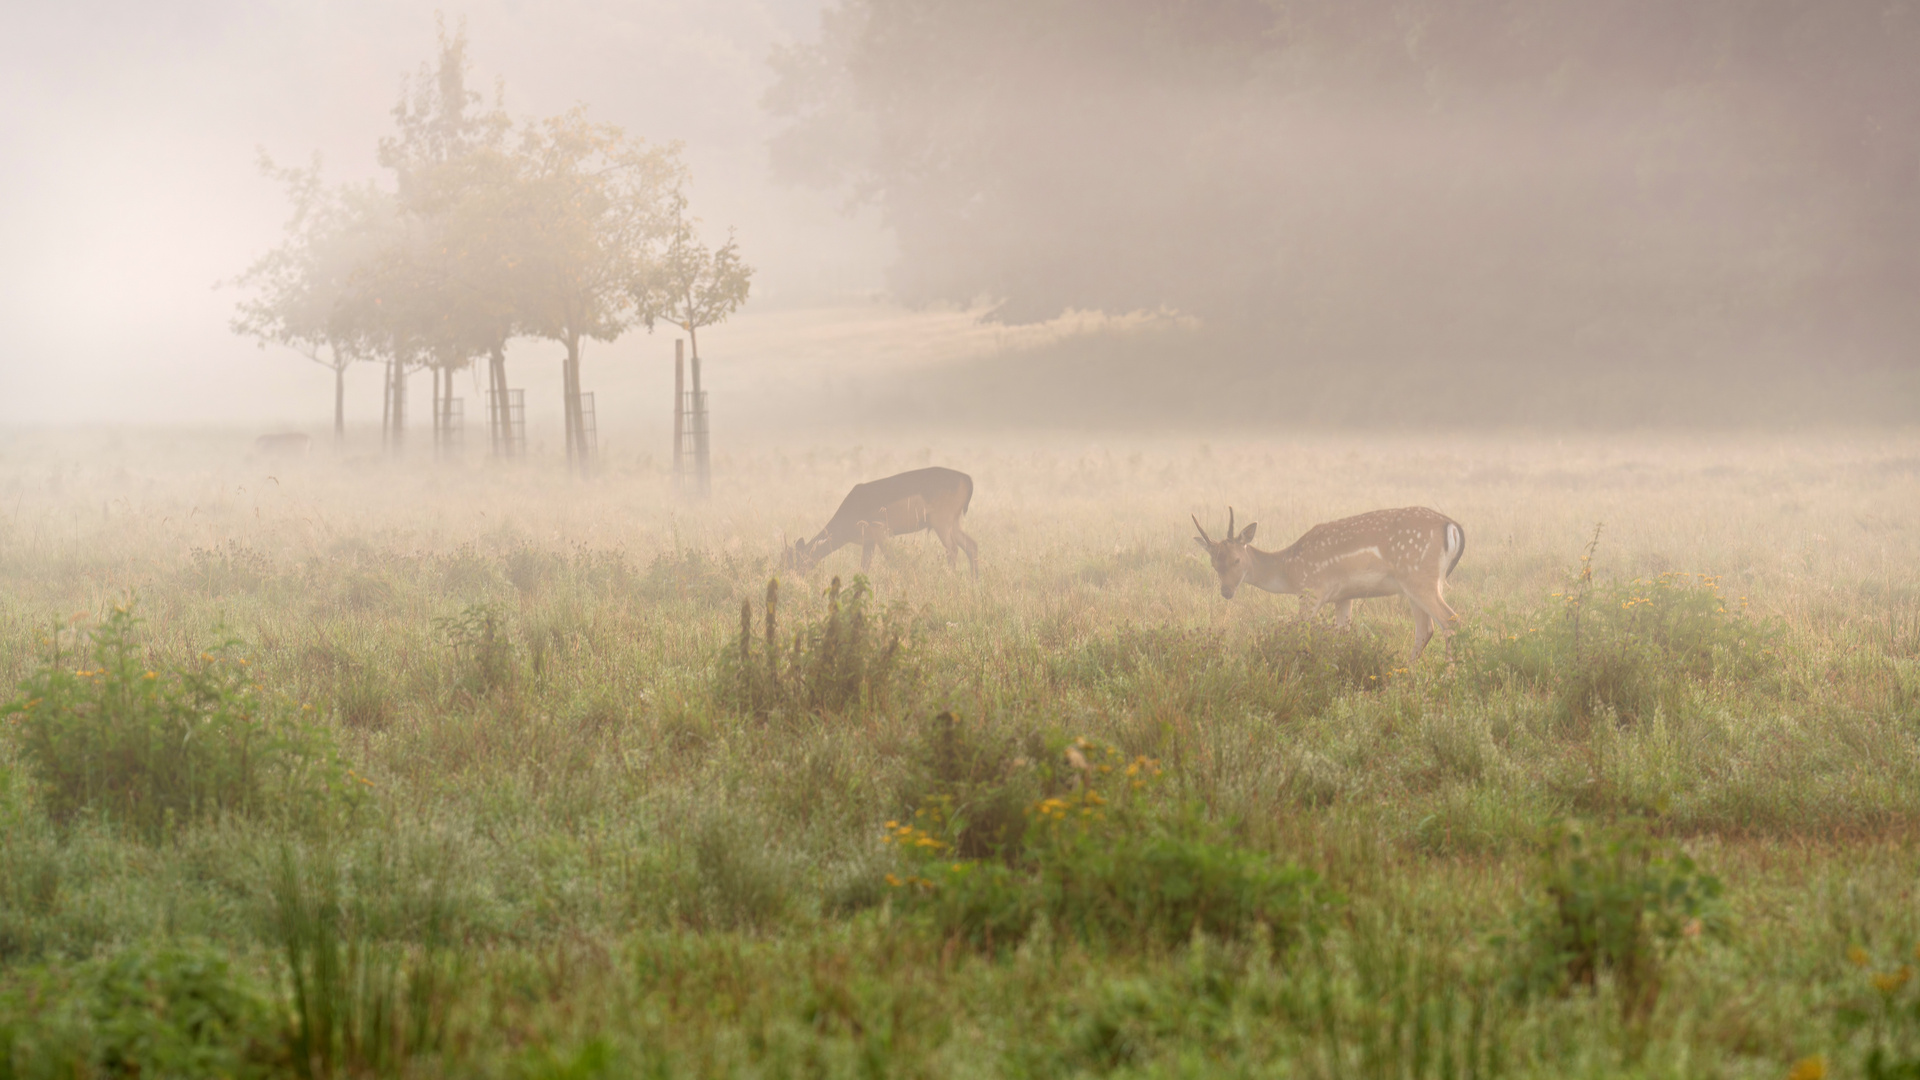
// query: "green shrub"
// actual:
[[1626, 648], [229, 568], [690, 574], [981, 785], [1620, 903], [845, 661], [1111, 862], [161, 746], [168, 1011], [530, 569], [482, 655]]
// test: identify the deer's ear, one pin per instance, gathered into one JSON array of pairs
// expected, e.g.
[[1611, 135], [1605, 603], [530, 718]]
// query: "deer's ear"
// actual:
[[1246, 534]]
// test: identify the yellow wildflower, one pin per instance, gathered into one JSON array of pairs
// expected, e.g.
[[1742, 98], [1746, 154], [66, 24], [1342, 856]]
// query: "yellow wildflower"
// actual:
[[894, 881], [1890, 982], [1856, 956], [1808, 1068]]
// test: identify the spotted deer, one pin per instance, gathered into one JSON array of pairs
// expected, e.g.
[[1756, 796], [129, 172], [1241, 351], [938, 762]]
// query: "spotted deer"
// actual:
[[1407, 552], [934, 499]]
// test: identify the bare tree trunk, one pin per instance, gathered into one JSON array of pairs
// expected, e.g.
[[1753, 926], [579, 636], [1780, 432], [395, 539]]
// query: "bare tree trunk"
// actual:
[[702, 460], [339, 400], [570, 401], [399, 370], [502, 415], [577, 449]]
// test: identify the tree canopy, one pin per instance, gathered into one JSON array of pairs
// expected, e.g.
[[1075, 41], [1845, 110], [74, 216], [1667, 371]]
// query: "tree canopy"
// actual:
[[554, 228], [1585, 177]]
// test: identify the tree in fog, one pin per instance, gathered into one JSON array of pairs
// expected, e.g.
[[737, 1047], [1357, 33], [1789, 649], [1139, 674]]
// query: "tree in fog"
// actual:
[[691, 285], [455, 177], [594, 205], [562, 228], [310, 293], [1372, 178]]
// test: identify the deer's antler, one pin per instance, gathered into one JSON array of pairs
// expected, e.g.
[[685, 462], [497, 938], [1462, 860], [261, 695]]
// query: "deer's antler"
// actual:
[[1202, 528], [1230, 533]]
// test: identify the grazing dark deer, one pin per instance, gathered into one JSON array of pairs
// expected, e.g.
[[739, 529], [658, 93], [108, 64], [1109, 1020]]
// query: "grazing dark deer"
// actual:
[[934, 499], [1407, 552]]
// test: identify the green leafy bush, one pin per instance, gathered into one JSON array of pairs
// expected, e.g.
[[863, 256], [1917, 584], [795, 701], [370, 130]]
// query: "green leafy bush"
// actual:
[[171, 1010], [691, 574], [229, 568], [482, 654], [845, 661], [153, 747], [1618, 902], [981, 785], [1110, 862], [1629, 648]]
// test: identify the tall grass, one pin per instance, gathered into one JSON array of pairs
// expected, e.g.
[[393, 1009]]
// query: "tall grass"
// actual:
[[619, 809]]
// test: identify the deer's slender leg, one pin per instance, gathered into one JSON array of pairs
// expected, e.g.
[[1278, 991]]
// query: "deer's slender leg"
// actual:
[[866, 554], [1427, 601], [1342, 614], [1312, 600], [972, 549], [1422, 629], [947, 541]]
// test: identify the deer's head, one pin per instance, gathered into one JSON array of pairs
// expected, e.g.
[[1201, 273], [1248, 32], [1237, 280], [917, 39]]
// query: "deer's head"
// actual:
[[1230, 558], [799, 558]]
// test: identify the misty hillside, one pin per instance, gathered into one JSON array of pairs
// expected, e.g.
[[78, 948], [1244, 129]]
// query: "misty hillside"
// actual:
[[1373, 207]]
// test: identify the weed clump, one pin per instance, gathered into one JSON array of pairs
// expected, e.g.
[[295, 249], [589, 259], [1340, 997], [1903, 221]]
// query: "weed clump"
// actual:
[[483, 656], [692, 575], [359, 1005], [845, 661], [1630, 648], [1109, 860], [229, 568], [152, 748], [981, 785], [1617, 902]]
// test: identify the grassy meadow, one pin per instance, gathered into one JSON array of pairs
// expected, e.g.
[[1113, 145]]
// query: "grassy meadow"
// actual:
[[356, 767]]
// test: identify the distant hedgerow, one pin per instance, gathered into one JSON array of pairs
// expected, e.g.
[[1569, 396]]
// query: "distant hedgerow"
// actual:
[[153, 747]]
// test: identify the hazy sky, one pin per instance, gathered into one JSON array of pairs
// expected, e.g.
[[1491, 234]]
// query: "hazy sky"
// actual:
[[128, 184]]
